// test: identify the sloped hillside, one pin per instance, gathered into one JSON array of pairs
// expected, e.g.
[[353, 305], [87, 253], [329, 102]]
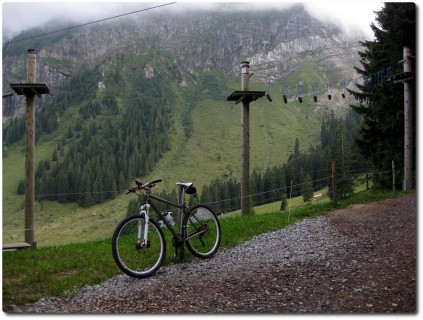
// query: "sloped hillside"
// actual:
[[147, 99]]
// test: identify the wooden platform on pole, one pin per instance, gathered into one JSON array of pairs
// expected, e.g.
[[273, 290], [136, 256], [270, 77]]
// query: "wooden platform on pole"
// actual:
[[245, 96], [30, 89]]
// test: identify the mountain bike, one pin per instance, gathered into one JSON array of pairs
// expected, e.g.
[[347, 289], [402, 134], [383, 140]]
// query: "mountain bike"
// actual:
[[139, 244]]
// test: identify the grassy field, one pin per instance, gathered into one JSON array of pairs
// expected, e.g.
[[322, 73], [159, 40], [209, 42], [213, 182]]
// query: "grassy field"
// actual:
[[29, 275], [321, 196], [213, 151]]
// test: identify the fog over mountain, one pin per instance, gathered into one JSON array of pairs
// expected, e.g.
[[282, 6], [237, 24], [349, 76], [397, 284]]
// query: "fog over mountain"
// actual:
[[276, 42], [17, 17]]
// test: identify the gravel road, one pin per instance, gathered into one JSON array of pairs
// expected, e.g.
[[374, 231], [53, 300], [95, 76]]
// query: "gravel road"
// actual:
[[361, 259]]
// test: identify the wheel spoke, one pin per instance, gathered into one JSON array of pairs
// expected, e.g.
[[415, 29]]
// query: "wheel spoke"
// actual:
[[133, 254], [203, 231]]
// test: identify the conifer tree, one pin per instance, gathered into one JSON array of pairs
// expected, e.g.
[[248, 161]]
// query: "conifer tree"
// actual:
[[307, 189], [381, 102], [340, 152], [284, 202]]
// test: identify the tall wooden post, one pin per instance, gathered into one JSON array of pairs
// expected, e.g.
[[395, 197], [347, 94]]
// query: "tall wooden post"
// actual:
[[30, 89], [245, 96], [245, 142], [408, 183], [30, 150]]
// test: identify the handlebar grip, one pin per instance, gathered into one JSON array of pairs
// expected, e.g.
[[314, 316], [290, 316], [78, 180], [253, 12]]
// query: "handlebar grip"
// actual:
[[140, 185], [131, 190]]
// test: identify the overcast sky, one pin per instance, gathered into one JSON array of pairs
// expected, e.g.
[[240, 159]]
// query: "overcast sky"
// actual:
[[18, 16]]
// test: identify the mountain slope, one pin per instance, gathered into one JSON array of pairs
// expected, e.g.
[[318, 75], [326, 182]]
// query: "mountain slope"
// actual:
[[275, 42], [177, 69]]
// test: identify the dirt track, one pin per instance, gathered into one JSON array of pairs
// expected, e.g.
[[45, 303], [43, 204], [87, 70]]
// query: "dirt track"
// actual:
[[361, 259]]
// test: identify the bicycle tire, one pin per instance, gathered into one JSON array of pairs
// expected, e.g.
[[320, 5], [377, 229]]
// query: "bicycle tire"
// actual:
[[202, 231], [132, 258]]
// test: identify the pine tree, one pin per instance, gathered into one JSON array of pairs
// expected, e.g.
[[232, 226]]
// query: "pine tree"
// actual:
[[284, 202], [256, 188], [133, 207], [21, 187], [381, 102], [297, 148], [54, 156], [339, 152], [307, 189]]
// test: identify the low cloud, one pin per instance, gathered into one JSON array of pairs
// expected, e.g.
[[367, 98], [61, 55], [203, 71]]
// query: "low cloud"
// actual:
[[19, 16]]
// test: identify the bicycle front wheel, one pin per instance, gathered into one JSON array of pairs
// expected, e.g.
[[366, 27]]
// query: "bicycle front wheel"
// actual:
[[202, 235], [135, 256]]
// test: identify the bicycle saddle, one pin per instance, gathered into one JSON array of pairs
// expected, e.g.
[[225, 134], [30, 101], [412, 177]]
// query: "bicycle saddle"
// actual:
[[189, 187]]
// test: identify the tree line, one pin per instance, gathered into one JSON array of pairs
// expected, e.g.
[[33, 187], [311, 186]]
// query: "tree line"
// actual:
[[48, 117], [119, 133], [308, 170], [105, 156]]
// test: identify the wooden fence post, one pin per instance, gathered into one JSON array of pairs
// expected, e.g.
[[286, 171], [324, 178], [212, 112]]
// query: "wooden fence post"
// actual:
[[333, 181], [393, 177]]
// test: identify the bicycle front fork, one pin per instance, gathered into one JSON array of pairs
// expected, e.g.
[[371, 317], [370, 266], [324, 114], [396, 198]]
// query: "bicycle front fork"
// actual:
[[142, 238], [143, 241]]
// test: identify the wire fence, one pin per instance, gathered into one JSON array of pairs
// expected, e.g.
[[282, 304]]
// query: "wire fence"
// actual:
[[57, 224]]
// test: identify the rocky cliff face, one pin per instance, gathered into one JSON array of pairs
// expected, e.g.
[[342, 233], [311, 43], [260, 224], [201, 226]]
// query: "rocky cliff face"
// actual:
[[275, 42]]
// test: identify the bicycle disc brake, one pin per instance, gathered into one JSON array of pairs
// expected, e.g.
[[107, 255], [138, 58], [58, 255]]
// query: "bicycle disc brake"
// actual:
[[142, 244]]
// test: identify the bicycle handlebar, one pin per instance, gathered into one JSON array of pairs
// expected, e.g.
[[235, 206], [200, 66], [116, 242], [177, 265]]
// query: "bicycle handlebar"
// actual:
[[141, 185]]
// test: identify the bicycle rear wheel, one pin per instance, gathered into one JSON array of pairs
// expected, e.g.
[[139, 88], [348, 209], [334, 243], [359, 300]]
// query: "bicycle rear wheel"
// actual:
[[203, 234], [133, 256]]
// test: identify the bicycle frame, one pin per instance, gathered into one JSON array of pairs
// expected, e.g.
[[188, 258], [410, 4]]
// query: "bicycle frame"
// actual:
[[181, 209]]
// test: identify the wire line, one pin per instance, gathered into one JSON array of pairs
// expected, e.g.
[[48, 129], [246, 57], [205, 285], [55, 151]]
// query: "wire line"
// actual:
[[92, 22]]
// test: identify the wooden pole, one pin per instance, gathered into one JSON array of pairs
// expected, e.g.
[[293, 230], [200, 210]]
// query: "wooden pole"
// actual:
[[245, 142], [289, 205], [30, 150], [408, 125], [245, 96], [333, 181], [393, 177]]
